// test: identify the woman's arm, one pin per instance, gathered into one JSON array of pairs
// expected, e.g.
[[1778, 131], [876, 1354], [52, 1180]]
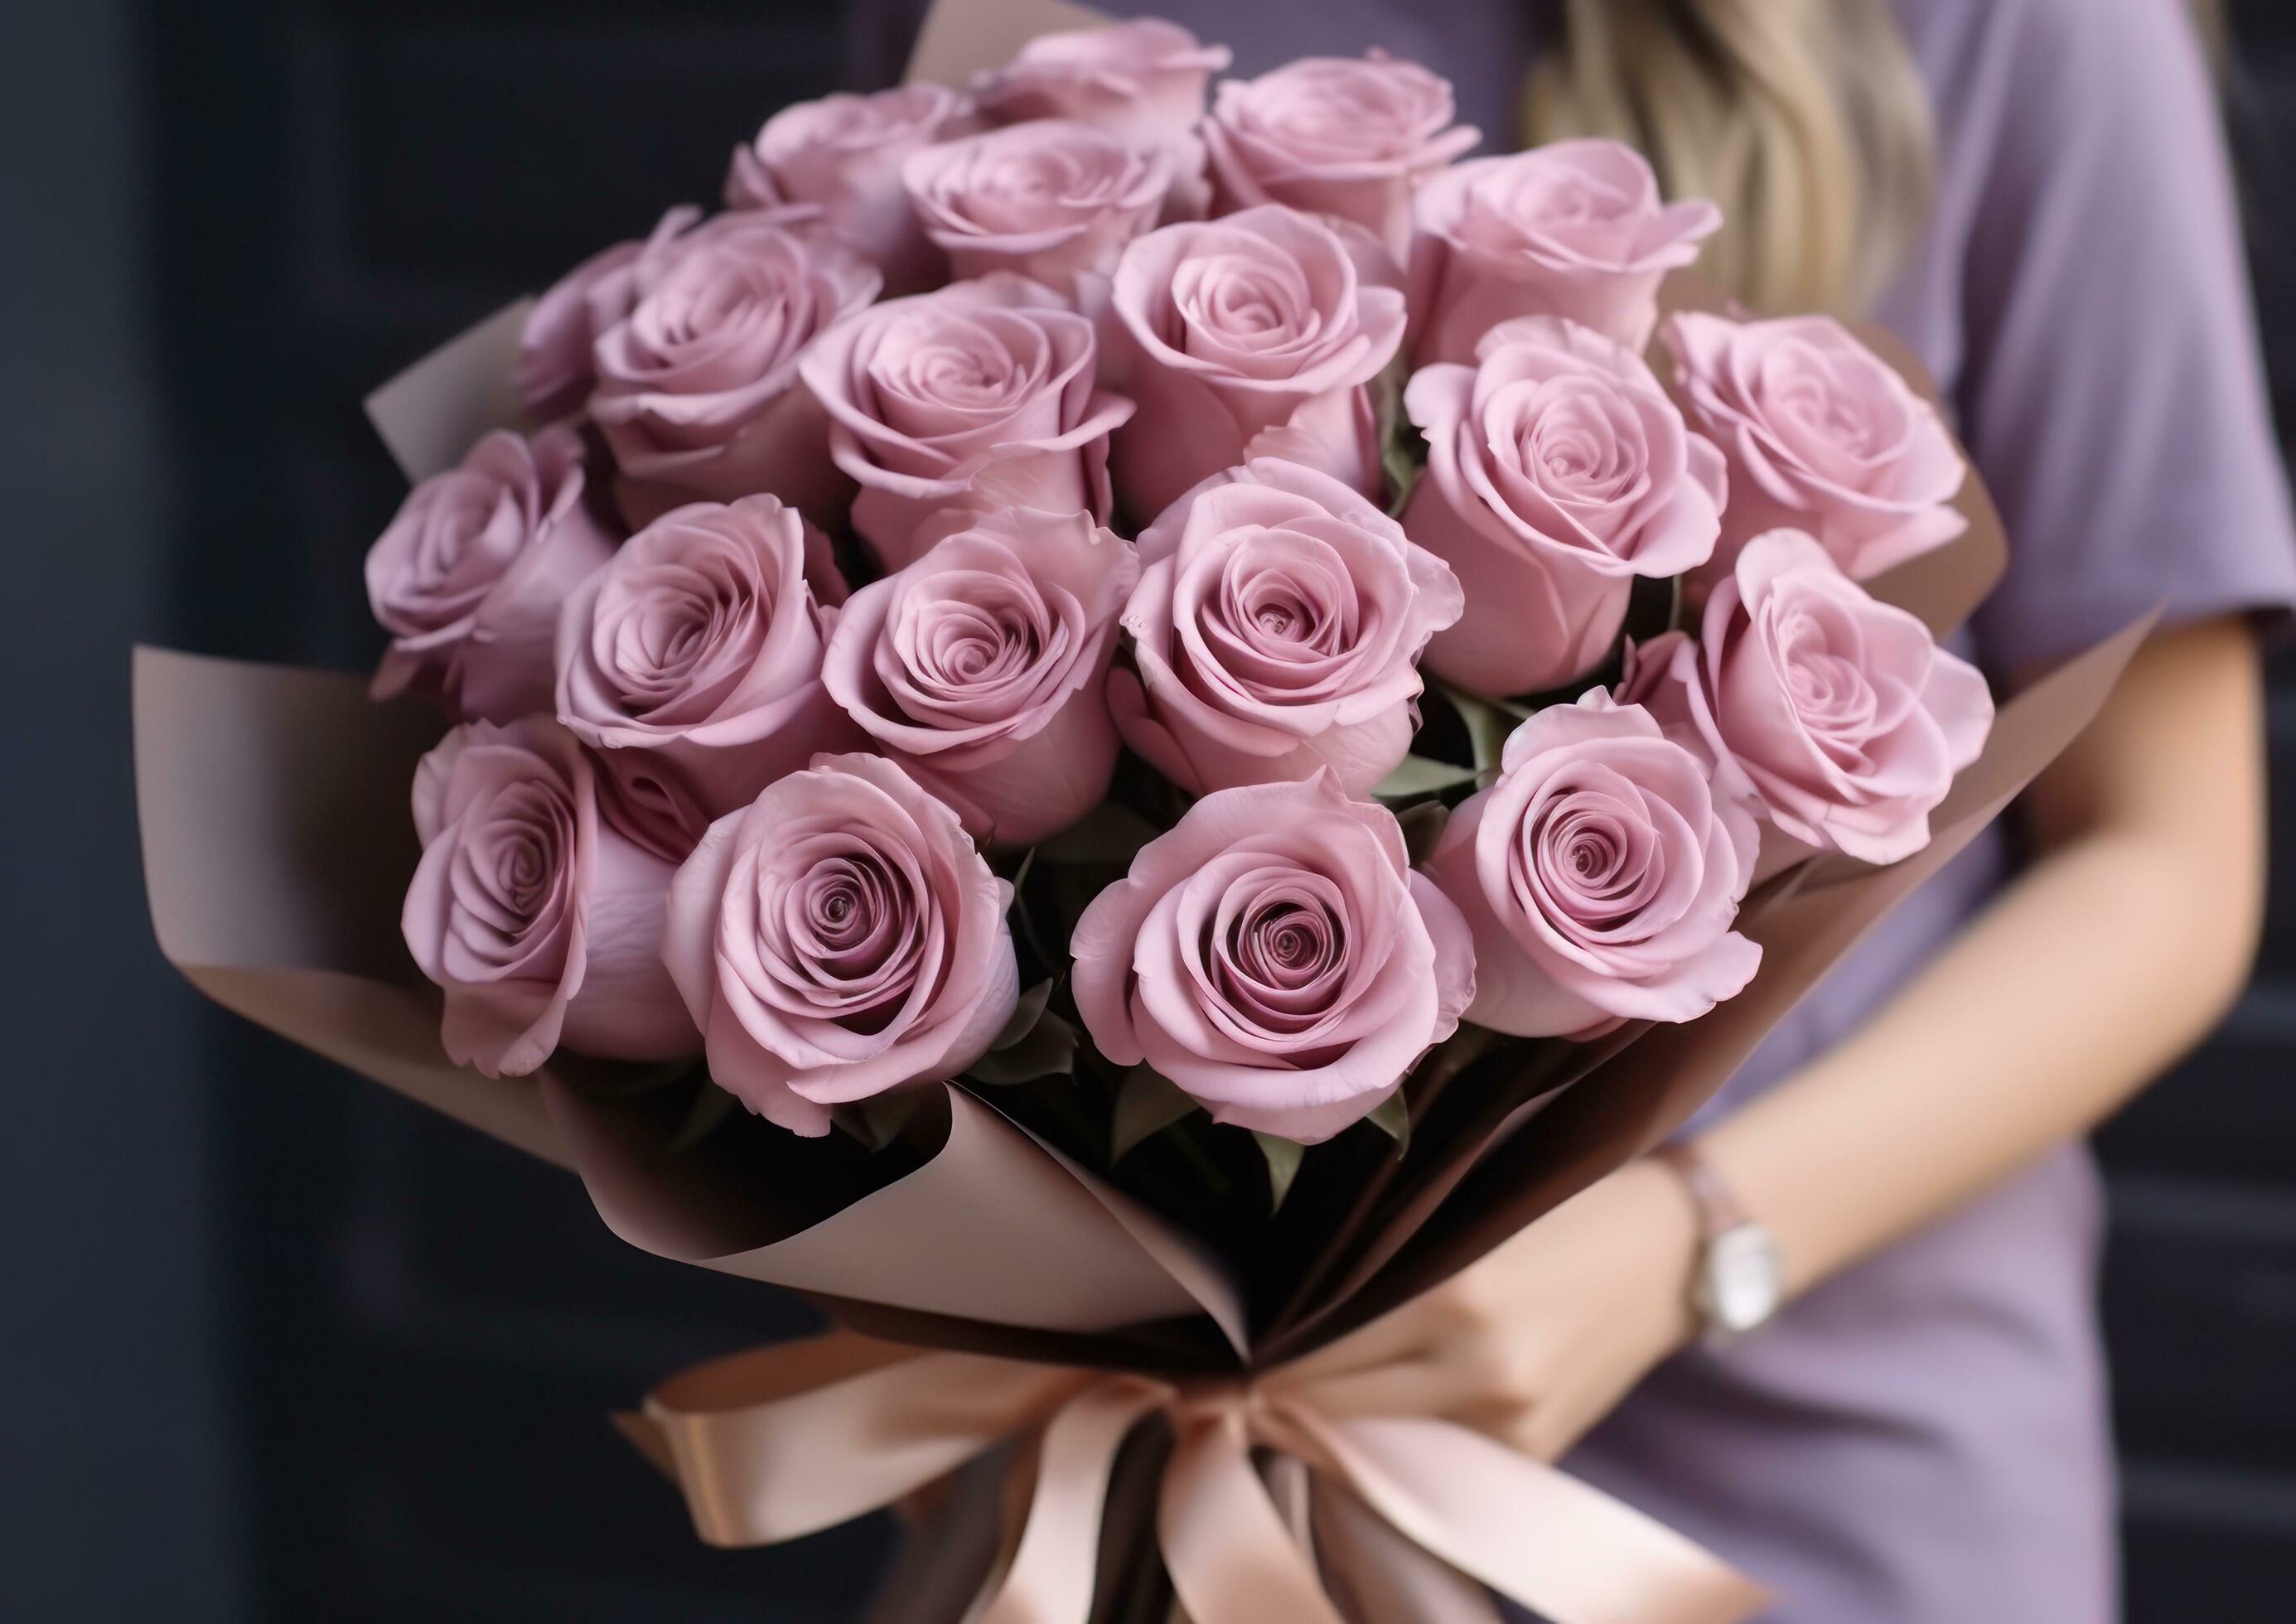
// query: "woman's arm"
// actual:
[[2112, 954]]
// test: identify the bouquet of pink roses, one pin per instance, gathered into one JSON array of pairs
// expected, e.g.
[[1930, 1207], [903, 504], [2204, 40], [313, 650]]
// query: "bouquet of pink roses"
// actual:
[[1111, 724]]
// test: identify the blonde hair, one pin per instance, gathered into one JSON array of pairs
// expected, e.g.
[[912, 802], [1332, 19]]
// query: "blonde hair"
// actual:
[[1805, 119]]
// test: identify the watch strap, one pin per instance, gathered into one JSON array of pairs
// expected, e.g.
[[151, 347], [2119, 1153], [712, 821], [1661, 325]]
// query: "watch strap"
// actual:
[[1719, 1211]]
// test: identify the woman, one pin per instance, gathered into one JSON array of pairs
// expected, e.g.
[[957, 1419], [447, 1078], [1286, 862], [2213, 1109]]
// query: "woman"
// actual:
[[2038, 189]]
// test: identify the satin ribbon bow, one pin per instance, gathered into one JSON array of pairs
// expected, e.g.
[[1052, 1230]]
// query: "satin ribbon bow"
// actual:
[[1407, 1510]]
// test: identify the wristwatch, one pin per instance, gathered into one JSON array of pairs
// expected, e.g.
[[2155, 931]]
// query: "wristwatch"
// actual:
[[1741, 1275]]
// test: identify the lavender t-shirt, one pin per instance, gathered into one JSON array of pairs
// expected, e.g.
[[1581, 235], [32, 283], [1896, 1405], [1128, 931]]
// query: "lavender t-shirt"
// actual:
[[1923, 1439]]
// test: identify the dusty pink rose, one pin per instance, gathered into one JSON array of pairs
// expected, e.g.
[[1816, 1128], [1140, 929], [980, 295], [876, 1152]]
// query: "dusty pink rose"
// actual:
[[1836, 713], [1573, 229], [693, 664], [1822, 435], [1350, 137], [556, 365], [1600, 875], [981, 394], [837, 938], [542, 924], [1275, 631], [1052, 200], [843, 154], [1249, 336], [1141, 81], [697, 391], [468, 578], [1274, 956], [982, 668], [1557, 471]]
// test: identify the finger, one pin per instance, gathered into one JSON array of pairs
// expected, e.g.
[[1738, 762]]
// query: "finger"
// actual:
[[1400, 1334], [1402, 1386]]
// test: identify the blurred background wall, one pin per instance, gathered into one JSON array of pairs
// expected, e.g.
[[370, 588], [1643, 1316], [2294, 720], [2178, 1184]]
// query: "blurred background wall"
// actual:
[[276, 1346]]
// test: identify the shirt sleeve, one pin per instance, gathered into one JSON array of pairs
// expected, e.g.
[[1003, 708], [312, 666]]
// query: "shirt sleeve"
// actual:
[[2112, 395]]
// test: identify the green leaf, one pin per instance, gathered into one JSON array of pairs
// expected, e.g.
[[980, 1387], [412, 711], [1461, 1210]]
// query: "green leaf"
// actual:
[[1283, 1157], [1393, 1119], [711, 1105], [1047, 1049], [1110, 834], [1020, 875], [1488, 723], [1422, 828], [1417, 777], [1026, 1013], [876, 1122], [1146, 1103]]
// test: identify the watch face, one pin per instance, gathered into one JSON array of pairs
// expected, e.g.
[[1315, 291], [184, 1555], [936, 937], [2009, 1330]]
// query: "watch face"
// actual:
[[1744, 1277]]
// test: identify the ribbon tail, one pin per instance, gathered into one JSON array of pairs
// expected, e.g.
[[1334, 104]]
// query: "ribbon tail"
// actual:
[[1232, 1556], [1385, 1579], [1053, 1569], [1559, 1546]]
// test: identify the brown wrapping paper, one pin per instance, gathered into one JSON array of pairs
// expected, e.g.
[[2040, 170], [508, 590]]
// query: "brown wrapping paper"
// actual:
[[430, 415]]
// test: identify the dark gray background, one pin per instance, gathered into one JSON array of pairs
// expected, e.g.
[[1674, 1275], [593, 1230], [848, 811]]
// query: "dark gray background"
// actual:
[[275, 1345]]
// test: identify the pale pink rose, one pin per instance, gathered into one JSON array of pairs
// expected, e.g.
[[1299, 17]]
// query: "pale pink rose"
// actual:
[[1255, 335], [843, 154], [1835, 713], [542, 924], [1574, 229], [1275, 631], [837, 938], [556, 365], [982, 667], [1275, 958], [1822, 435], [1052, 200], [1350, 137], [979, 396], [468, 576], [1557, 471], [1141, 81], [692, 663], [1600, 876], [697, 393]]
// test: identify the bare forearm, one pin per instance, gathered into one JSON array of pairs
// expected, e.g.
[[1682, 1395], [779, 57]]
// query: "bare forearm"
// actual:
[[2103, 961]]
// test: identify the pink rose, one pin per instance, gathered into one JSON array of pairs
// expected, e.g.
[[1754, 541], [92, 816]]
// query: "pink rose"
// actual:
[[980, 396], [1837, 713], [1052, 200], [468, 576], [843, 154], [1142, 81], [1574, 229], [693, 664], [1275, 630], [696, 393], [982, 669], [1557, 471], [543, 925], [556, 367], [1600, 875], [1249, 336], [1346, 137], [1822, 435], [837, 938], [1274, 956]]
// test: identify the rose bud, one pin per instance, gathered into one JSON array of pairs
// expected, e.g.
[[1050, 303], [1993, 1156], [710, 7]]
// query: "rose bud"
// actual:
[[980, 396], [1837, 714], [469, 578], [982, 669], [1054, 199], [556, 365], [1248, 336], [1600, 875], [697, 391], [692, 663], [1141, 81], [1275, 630], [1557, 471], [843, 154], [1822, 435], [542, 924], [837, 938], [1349, 138], [1275, 958], [1574, 229]]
